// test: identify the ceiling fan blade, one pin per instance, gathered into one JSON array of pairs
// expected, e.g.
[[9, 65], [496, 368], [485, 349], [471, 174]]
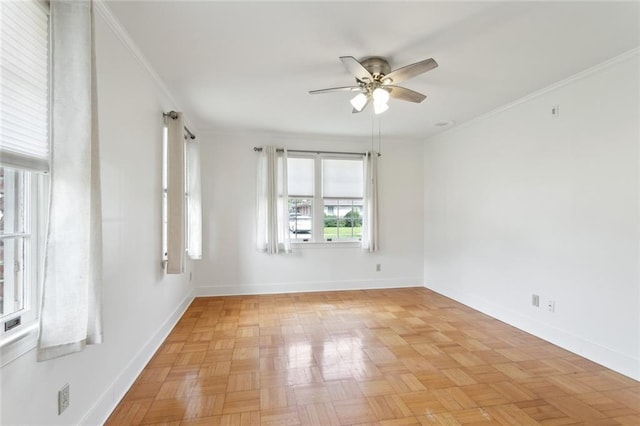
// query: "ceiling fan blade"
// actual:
[[405, 94], [405, 73], [356, 68], [336, 89]]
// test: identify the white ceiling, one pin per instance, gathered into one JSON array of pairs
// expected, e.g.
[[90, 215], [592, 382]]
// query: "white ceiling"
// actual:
[[250, 65]]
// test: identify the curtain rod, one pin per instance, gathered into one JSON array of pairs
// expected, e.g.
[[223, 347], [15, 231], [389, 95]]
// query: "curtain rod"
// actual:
[[258, 149], [174, 115]]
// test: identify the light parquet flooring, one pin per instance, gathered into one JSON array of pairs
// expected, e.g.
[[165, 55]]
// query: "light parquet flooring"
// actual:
[[371, 357]]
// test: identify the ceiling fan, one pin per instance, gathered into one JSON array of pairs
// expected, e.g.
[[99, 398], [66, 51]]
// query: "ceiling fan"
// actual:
[[375, 82]]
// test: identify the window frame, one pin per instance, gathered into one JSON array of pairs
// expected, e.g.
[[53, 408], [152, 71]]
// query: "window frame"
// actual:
[[164, 258], [22, 338], [318, 201], [165, 190]]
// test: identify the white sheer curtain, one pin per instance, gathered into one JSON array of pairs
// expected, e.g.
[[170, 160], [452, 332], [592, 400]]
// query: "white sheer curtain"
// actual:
[[272, 224], [194, 201], [71, 313], [370, 213], [175, 195]]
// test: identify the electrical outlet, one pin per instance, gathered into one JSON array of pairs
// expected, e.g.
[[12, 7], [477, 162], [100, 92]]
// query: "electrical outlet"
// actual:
[[535, 300], [555, 111], [63, 398], [378, 267], [551, 306]]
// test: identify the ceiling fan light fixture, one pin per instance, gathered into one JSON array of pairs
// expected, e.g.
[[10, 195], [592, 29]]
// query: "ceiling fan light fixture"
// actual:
[[359, 101], [380, 99], [380, 96], [380, 107]]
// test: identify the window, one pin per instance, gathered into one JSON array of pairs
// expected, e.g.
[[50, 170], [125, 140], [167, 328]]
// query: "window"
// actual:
[[325, 197], [300, 183], [165, 200], [181, 194], [18, 244], [24, 160]]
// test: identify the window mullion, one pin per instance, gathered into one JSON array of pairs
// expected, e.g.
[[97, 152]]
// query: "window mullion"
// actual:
[[338, 219], [318, 201]]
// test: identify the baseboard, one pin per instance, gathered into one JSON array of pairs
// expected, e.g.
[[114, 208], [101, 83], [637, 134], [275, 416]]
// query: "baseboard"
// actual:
[[102, 409], [604, 356], [305, 287]]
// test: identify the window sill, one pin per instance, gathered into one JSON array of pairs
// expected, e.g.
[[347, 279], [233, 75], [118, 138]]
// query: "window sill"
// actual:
[[325, 244], [19, 343]]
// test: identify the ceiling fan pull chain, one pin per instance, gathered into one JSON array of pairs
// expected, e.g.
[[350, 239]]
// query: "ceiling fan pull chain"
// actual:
[[373, 137], [379, 134]]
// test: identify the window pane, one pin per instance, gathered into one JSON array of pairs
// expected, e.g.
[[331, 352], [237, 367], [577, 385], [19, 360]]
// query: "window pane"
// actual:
[[12, 201], [165, 185], [300, 177], [342, 219], [342, 178], [300, 219], [11, 275], [12, 247]]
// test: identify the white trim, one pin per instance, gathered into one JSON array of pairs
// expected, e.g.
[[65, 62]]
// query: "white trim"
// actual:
[[126, 40], [608, 357], [304, 245], [569, 80], [15, 345], [102, 409], [306, 287]]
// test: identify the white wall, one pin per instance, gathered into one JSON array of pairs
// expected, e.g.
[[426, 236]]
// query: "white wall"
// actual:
[[519, 203], [231, 264], [138, 298]]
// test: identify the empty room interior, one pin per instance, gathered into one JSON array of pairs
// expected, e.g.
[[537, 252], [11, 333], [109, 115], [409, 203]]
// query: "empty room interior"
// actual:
[[319, 212]]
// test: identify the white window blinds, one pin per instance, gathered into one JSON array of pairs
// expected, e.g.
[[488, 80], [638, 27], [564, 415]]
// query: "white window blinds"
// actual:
[[24, 93], [300, 172], [342, 178]]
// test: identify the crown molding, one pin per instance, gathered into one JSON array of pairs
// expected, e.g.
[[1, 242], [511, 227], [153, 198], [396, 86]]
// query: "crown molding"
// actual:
[[569, 80], [124, 37]]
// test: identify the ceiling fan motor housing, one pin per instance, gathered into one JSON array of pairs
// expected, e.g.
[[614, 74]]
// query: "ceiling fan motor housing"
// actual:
[[377, 66]]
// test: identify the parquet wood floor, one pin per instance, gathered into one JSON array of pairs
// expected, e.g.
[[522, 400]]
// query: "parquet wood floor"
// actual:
[[373, 357]]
